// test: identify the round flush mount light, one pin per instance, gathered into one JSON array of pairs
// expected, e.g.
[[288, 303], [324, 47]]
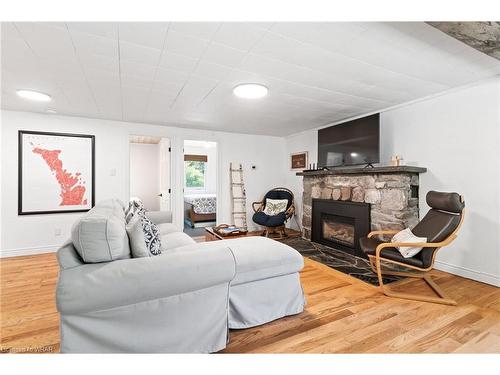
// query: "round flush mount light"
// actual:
[[36, 96], [250, 91]]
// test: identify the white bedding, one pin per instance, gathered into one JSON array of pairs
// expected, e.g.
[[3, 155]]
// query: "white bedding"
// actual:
[[202, 203]]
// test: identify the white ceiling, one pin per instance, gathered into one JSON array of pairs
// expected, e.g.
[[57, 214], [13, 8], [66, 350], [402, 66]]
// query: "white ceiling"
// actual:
[[182, 74]]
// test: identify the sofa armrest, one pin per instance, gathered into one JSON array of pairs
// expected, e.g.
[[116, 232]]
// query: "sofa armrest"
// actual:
[[94, 287], [160, 217]]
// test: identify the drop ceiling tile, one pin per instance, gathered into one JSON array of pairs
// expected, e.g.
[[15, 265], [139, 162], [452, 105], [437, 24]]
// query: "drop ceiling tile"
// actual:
[[139, 54], [213, 71], [223, 55], [200, 30], [171, 75], [47, 42], [103, 29], [135, 82], [178, 62], [146, 34], [87, 44], [186, 45], [240, 35], [144, 71]]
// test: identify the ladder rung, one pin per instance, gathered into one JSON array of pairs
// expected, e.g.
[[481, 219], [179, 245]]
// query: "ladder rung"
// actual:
[[239, 213], [236, 183], [236, 170], [239, 197]]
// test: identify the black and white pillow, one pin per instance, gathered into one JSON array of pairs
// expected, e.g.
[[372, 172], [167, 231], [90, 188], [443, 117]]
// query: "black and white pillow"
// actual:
[[151, 235], [144, 235]]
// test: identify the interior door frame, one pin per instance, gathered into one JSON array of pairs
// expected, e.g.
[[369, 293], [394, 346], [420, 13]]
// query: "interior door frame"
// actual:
[[218, 179], [170, 157]]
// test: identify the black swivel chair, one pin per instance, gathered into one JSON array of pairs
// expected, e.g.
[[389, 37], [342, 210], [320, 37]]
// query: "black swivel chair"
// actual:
[[276, 223]]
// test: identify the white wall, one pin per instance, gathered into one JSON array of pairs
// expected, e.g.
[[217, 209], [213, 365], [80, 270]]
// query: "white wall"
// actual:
[[35, 233], [457, 137], [145, 174], [305, 141], [210, 150]]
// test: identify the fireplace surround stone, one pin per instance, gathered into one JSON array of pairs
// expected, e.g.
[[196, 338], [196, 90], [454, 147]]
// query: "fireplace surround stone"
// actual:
[[392, 193]]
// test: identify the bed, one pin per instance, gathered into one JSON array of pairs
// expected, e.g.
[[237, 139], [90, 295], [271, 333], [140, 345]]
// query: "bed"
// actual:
[[200, 208]]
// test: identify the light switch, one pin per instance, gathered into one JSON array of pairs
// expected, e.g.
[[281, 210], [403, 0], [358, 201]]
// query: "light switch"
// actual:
[[112, 172]]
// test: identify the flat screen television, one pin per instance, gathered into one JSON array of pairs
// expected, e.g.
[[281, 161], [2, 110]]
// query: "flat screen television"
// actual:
[[354, 142]]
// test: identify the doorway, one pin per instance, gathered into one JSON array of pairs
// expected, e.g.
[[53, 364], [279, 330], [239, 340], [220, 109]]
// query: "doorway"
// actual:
[[150, 172], [200, 186]]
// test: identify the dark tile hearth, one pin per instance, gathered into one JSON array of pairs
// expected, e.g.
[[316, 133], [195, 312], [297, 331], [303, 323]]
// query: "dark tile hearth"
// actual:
[[338, 260]]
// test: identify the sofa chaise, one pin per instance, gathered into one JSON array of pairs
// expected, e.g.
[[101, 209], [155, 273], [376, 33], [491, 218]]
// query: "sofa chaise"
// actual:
[[182, 301]]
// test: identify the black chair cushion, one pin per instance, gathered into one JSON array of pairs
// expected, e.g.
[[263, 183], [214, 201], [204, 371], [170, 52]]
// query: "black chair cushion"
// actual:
[[369, 247], [279, 194], [436, 226], [269, 221]]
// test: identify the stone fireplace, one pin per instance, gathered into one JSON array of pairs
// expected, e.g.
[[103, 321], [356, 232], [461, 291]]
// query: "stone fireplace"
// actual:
[[388, 196]]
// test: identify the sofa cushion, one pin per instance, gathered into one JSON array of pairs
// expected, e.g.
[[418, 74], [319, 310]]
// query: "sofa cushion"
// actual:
[[166, 228], [257, 258], [174, 240], [100, 235]]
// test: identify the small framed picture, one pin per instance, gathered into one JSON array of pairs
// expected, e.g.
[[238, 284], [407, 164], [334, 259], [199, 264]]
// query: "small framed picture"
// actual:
[[56, 172], [298, 160]]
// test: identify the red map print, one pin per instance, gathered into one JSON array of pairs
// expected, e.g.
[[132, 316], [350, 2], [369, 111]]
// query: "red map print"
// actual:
[[72, 189]]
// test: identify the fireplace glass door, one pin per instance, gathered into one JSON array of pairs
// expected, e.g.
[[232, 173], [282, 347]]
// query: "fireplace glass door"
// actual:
[[338, 229]]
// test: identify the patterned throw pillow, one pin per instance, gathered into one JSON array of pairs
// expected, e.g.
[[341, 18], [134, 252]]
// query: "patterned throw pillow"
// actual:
[[144, 235], [275, 206]]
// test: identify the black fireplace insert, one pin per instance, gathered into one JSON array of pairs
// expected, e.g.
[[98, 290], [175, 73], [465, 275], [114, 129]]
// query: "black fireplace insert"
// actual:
[[340, 224]]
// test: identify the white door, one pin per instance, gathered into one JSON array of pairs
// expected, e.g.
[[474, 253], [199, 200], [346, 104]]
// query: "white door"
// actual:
[[164, 189]]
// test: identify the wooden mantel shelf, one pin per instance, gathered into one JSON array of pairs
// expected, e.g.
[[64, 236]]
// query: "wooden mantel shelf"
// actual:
[[362, 170]]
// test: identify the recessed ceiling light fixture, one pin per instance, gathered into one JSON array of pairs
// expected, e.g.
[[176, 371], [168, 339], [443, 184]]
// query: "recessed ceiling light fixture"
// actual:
[[34, 95], [250, 91]]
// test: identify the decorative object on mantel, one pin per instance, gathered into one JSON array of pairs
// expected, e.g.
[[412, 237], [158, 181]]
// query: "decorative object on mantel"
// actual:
[[396, 160], [56, 172], [298, 160]]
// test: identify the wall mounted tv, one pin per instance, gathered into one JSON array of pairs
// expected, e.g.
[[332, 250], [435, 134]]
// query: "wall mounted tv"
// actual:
[[350, 143]]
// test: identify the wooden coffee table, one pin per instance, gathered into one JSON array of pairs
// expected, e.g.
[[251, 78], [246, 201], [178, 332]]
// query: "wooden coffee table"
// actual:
[[210, 234]]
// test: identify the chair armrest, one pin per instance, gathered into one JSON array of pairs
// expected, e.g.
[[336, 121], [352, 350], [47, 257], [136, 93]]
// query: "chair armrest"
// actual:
[[379, 232], [261, 203], [160, 217], [94, 287], [383, 245]]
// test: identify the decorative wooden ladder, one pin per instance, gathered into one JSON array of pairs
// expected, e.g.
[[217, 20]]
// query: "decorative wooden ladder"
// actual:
[[238, 197]]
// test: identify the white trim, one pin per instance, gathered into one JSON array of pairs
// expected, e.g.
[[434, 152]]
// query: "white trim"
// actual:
[[468, 273], [23, 251]]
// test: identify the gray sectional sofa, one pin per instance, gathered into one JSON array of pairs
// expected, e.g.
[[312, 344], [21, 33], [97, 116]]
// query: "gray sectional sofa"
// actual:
[[182, 301]]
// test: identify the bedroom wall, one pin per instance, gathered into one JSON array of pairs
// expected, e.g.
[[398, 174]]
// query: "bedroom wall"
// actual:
[[144, 175], [32, 234]]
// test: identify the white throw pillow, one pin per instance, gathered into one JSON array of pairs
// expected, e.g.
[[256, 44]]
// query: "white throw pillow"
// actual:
[[275, 206], [406, 235]]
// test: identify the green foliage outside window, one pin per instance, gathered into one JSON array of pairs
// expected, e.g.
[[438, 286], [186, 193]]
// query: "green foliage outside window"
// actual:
[[195, 174]]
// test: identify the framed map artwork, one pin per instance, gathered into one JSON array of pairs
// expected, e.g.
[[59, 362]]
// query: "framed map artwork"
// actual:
[[56, 172]]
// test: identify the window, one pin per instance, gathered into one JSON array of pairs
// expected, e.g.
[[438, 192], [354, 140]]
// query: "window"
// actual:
[[194, 169]]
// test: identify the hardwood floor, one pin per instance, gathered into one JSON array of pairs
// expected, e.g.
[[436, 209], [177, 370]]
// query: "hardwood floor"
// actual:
[[343, 315]]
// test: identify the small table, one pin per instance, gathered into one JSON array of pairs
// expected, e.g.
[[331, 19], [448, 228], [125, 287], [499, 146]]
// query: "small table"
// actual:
[[210, 235]]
